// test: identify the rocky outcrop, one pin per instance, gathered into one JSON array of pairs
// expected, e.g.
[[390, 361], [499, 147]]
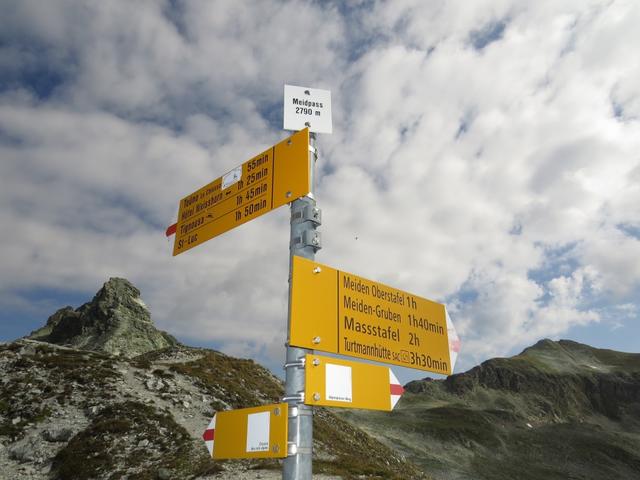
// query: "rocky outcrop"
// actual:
[[75, 414], [99, 393], [116, 321]]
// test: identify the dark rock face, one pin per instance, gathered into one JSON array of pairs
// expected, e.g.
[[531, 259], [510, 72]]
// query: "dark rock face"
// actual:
[[116, 321], [575, 378]]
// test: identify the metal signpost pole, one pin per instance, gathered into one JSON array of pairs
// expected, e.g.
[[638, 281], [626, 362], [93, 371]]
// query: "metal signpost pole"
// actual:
[[304, 242]]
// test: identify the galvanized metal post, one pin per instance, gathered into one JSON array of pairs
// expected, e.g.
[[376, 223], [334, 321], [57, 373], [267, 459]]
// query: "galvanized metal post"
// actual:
[[304, 242]]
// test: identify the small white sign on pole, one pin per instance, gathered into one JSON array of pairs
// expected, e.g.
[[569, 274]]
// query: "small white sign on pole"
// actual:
[[307, 107]]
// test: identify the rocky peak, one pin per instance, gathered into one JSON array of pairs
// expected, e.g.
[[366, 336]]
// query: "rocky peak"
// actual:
[[119, 295], [116, 321]]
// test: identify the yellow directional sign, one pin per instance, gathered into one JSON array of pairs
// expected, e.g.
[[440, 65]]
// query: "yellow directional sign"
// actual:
[[257, 432], [333, 382], [342, 313], [276, 176]]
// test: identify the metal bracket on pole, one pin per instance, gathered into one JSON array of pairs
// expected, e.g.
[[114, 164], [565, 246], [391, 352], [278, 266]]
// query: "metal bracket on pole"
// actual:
[[312, 238], [294, 398], [294, 449], [309, 238], [300, 364], [311, 213], [307, 213]]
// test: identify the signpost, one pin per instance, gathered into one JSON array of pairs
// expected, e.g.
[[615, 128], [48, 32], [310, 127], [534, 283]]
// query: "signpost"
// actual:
[[333, 382], [329, 310], [257, 432], [304, 241], [342, 313], [269, 180]]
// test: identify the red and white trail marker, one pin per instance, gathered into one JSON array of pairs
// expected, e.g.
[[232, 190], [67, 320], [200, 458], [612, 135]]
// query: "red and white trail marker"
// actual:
[[171, 230], [209, 435], [396, 390], [454, 341]]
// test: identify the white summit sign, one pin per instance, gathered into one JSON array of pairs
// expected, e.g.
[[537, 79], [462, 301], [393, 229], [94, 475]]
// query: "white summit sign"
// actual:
[[307, 107]]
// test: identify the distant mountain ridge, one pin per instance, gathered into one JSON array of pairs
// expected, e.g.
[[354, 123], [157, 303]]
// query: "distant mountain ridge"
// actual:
[[557, 410], [592, 381]]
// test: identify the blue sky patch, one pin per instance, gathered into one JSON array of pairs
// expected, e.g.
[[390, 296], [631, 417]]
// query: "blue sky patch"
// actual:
[[465, 124], [558, 262], [492, 32], [17, 322], [41, 79], [629, 230]]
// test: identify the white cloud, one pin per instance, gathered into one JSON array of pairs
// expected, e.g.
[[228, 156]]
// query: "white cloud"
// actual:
[[471, 143]]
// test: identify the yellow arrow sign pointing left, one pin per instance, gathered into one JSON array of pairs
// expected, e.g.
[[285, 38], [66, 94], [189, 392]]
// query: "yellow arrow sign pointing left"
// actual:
[[257, 432], [267, 181]]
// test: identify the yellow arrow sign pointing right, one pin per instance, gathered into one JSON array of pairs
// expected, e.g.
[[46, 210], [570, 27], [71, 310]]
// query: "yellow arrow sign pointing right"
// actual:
[[334, 382]]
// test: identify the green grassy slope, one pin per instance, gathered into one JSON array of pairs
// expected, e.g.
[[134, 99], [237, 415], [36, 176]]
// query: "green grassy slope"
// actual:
[[558, 410]]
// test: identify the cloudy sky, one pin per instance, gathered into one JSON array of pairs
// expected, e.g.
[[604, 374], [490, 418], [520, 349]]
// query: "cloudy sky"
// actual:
[[484, 154]]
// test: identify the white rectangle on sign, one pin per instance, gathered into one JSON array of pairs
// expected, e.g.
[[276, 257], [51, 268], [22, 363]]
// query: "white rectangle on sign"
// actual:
[[307, 107], [232, 177], [338, 383], [258, 432]]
